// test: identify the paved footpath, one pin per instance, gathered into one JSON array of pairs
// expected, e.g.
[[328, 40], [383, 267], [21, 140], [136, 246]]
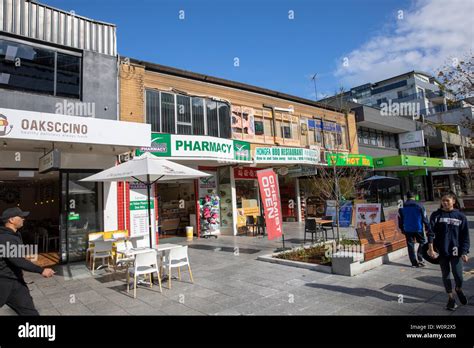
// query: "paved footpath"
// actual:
[[230, 281]]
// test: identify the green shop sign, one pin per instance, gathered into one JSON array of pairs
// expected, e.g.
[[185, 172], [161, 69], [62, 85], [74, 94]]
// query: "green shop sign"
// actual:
[[410, 161], [197, 146], [140, 205], [349, 160], [286, 155]]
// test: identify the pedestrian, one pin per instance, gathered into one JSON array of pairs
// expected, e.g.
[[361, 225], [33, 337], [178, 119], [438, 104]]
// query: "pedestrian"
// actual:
[[411, 218], [13, 290], [450, 237]]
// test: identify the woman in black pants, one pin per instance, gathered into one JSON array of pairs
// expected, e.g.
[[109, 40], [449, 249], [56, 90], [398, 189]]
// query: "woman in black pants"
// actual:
[[450, 236]]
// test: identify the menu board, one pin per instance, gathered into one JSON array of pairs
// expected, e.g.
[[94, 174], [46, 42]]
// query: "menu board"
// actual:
[[139, 214]]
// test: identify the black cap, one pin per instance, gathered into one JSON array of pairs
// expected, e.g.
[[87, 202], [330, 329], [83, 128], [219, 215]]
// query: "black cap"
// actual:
[[410, 194], [12, 212]]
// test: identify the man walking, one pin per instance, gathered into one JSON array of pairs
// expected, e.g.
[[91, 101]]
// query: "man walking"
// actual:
[[13, 289], [411, 218]]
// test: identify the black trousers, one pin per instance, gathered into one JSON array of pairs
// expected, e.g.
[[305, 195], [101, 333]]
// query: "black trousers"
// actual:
[[450, 264], [16, 294]]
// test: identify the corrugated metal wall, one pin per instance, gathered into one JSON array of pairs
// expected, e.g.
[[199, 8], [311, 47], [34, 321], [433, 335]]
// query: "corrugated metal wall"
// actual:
[[37, 21]]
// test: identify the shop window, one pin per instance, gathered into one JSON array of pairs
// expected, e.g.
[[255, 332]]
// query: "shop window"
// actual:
[[198, 116], [224, 120], [29, 68], [153, 110], [167, 113], [212, 123]]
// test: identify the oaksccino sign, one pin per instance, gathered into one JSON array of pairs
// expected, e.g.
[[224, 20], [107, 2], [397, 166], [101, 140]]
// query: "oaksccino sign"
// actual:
[[32, 125], [270, 193], [287, 155], [197, 146]]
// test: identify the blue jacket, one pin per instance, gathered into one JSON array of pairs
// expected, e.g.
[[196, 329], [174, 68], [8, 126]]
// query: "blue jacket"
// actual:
[[449, 232], [412, 217]]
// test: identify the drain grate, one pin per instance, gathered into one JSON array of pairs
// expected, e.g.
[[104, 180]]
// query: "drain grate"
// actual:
[[223, 248]]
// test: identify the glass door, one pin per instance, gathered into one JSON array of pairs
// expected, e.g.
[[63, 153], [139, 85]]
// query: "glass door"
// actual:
[[80, 215]]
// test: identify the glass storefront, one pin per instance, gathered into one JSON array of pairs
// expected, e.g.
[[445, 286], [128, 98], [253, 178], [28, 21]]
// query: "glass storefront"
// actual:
[[81, 214], [248, 201]]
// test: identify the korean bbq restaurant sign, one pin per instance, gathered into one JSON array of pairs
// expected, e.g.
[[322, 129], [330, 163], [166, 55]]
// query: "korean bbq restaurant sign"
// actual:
[[197, 146], [20, 124], [270, 193]]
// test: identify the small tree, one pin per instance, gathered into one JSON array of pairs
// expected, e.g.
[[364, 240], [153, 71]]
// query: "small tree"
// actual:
[[335, 182], [457, 76]]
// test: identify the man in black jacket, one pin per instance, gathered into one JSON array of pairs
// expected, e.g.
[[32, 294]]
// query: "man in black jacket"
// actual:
[[13, 289]]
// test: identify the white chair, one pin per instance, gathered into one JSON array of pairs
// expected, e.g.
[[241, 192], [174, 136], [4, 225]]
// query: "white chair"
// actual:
[[119, 235], [102, 250], [121, 247], [145, 263], [177, 258], [93, 237]]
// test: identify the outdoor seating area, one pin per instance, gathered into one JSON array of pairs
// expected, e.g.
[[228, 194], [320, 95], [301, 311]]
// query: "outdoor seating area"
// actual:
[[118, 250], [318, 226], [380, 239]]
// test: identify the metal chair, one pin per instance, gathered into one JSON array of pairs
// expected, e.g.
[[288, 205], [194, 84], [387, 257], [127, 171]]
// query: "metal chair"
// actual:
[[260, 224], [328, 226], [311, 227], [250, 222]]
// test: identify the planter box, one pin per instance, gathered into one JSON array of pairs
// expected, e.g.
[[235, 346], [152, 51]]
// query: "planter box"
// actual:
[[343, 263]]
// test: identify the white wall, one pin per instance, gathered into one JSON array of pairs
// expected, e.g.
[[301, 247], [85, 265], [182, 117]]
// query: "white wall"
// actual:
[[110, 206]]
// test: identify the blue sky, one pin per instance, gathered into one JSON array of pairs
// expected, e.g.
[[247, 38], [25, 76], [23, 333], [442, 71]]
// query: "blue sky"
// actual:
[[376, 38]]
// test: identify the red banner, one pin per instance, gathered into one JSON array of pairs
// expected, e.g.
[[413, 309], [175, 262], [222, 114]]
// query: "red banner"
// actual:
[[270, 193]]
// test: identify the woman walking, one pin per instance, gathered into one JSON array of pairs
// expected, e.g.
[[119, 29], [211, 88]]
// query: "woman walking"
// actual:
[[449, 235]]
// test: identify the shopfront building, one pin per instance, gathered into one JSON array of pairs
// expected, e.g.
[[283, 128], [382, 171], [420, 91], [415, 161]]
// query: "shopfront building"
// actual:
[[43, 158], [207, 204]]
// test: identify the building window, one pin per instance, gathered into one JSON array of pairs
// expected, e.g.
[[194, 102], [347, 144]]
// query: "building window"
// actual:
[[198, 116], [212, 120], [153, 110], [268, 126], [183, 109], [286, 131], [182, 114], [32, 69], [259, 127], [224, 120], [68, 76], [167, 113]]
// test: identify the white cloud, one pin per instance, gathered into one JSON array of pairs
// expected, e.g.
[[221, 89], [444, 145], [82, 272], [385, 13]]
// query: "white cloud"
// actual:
[[430, 33]]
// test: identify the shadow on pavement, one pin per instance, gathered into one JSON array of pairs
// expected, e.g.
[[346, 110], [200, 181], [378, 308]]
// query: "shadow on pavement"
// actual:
[[362, 292]]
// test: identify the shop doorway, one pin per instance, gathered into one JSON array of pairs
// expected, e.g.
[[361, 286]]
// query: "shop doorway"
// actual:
[[176, 208], [39, 194], [81, 213]]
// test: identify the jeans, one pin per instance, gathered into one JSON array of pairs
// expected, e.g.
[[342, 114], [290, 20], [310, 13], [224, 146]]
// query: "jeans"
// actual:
[[450, 264], [412, 238]]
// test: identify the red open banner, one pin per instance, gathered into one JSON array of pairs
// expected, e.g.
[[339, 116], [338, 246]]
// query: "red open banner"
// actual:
[[270, 193]]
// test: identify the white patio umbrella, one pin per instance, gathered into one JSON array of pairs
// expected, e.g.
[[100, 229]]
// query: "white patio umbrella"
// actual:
[[147, 169]]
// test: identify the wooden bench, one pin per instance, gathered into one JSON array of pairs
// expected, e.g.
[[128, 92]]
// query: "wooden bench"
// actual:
[[380, 239]]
